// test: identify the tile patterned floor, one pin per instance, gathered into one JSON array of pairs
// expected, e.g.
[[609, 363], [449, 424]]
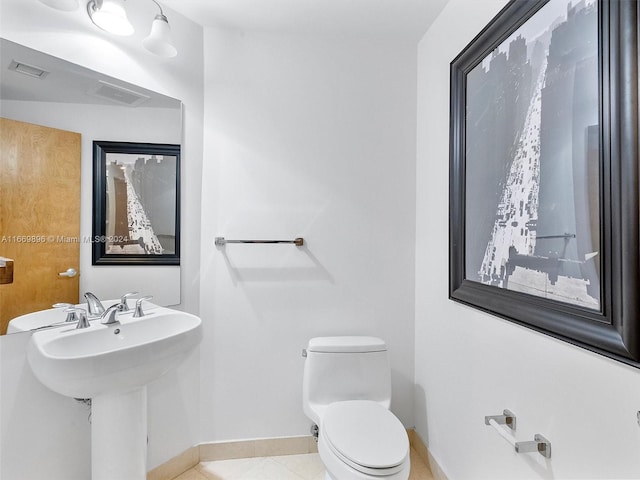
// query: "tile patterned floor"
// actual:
[[286, 467]]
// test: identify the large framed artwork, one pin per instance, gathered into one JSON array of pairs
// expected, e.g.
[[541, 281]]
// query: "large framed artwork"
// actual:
[[136, 204], [544, 195]]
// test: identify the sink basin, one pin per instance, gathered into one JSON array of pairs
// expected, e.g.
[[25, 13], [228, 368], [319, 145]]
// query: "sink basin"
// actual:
[[101, 359]]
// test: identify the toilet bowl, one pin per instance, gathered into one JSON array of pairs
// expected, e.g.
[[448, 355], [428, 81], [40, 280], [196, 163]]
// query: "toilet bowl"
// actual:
[[361, 440], [347, 393]]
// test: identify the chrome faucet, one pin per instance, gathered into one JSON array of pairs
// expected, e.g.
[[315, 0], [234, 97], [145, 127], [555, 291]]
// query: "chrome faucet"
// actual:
[[109, 315], [95, 307]]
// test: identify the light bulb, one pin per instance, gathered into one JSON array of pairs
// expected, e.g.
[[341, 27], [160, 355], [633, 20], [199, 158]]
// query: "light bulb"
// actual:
[[110, 16]]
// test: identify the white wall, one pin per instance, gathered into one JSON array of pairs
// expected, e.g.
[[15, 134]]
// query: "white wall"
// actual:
[[111, 123], [312, 137], [173, 400], [470, 364]]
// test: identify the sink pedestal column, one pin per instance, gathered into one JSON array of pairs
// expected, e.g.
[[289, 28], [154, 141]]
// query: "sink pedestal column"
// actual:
[[119, 436]]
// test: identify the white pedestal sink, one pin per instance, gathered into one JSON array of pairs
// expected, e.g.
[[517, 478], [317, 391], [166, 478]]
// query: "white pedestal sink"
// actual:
[[112, 365]]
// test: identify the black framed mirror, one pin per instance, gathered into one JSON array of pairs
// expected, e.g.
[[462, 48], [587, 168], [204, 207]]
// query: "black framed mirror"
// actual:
[[76, 99]]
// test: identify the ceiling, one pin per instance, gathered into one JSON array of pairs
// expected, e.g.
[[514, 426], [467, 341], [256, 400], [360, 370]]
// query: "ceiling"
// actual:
[[402, 19], [405, 20]]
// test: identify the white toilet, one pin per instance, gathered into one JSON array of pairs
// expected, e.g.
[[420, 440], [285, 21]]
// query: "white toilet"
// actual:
[[346, 391]]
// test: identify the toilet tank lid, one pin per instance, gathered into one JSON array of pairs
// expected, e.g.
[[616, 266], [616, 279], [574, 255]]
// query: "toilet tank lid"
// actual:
[[352, 344]]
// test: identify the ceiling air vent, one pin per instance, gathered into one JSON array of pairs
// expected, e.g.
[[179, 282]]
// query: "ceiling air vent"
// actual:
[[117, 94], [25, 69]]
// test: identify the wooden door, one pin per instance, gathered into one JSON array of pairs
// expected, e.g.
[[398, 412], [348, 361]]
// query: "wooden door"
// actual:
[[39, 216]]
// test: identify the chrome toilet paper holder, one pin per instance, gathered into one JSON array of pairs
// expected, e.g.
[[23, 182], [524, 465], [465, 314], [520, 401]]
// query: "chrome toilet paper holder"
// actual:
[[539, 443]]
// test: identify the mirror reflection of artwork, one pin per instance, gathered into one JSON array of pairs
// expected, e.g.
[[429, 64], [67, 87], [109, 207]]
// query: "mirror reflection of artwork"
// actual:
[[532, 159], [140, 204], [136, 203]]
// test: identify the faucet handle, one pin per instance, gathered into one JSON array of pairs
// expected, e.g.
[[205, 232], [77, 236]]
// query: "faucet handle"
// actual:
[[139, 313], [124, 306], [83, 322], [69, 309]]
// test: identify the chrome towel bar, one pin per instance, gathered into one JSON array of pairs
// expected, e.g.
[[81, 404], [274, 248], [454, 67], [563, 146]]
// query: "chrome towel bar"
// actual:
[[221, 241]]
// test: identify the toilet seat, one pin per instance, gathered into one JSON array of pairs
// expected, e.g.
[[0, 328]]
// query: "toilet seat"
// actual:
[[366, 436]]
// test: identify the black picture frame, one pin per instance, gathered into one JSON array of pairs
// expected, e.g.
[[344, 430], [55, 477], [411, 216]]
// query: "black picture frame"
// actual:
[[142, 227], [613, 328]]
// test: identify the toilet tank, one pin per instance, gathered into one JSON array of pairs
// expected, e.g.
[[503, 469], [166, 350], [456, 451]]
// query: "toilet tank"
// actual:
[[345, 368]]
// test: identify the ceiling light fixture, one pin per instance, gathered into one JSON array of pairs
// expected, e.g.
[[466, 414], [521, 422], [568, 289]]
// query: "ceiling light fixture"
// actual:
[[110, 16], [159, 40]]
